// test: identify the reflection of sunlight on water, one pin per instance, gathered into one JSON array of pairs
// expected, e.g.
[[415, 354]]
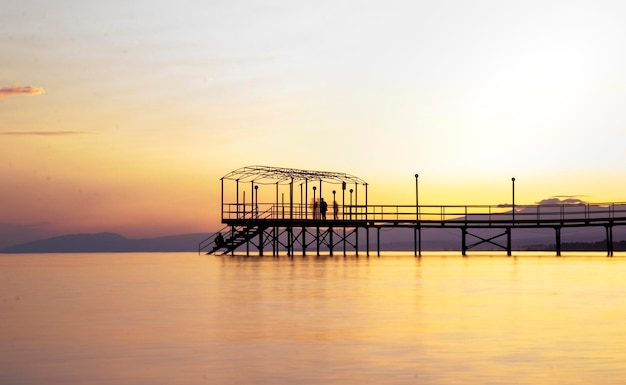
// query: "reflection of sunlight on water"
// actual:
[[184, 319]]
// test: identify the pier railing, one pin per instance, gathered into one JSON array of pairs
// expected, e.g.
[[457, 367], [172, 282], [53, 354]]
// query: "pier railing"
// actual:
[[519, 214]]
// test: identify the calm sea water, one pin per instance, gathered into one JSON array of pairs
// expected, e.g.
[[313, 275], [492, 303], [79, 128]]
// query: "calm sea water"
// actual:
[[181, 318]]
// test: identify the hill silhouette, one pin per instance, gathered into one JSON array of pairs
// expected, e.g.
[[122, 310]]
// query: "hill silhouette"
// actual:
[[391, 240], [108, 242]]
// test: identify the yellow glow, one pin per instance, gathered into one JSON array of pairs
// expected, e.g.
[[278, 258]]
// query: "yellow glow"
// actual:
[[142, 124]]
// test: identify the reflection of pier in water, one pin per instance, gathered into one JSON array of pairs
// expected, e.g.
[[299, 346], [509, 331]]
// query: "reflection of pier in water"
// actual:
[[289, 215]]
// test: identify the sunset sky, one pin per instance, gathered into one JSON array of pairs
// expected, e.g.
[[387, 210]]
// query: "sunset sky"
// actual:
[[123, 115]]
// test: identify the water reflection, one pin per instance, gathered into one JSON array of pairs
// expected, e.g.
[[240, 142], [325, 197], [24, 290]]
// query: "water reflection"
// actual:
[[186, 319]]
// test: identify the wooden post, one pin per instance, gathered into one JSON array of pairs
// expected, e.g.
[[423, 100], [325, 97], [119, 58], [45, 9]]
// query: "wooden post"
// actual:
[[463, 241], [609, 240], [419, 240], [317, 240], [508, 241], [330, 246]]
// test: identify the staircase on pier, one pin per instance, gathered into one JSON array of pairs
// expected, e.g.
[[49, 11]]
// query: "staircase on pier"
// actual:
[[234, 238]]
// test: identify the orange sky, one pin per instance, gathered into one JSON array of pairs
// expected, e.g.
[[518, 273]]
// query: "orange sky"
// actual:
[[123, 117]]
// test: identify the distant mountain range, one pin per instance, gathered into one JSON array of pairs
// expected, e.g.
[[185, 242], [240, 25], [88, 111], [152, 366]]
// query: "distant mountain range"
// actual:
[[108, 242], [391, 240]]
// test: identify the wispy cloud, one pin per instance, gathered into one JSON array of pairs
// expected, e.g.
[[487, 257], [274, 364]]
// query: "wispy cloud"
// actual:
[[19, 90], [44, 133]]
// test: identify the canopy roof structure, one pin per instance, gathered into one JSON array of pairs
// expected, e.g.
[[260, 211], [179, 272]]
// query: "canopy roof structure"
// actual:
[[281, 175]]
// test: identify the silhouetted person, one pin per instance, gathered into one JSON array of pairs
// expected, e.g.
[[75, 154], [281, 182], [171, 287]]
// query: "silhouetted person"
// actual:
[[315, 210], [323, 208], [336, 210], [219, 241]]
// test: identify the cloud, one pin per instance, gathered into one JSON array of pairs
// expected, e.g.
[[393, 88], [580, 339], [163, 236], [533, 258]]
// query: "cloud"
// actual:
[[569, 200], [556, 200], [18, 90], [44, 133]]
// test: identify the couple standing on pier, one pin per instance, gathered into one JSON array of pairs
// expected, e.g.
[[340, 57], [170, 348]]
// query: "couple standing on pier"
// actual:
[[324, 208]]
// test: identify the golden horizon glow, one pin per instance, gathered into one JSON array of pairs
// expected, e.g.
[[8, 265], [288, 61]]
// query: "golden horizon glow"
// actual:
[[141, 116]]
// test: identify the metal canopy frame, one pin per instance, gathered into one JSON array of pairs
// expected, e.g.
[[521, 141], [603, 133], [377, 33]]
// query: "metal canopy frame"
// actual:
[[283, 210], [281, 175]]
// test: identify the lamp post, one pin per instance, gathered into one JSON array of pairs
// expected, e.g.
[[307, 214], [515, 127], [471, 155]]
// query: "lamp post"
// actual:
[[351, 190], [513, 207], [417, 199]]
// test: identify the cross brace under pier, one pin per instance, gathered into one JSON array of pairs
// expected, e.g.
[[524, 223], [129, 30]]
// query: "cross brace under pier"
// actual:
[[481, 240], [295, 240]]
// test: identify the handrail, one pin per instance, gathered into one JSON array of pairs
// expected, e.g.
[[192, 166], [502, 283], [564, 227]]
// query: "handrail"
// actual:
[[210, 239], [434, 213]]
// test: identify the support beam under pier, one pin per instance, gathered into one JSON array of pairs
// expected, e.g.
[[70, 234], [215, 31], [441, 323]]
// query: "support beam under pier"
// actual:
[[464, 241], [609, 240], [417, 241], [508, 241]]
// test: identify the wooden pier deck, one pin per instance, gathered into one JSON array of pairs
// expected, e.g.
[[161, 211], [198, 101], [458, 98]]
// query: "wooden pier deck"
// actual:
[[291, 223], [297, 224]]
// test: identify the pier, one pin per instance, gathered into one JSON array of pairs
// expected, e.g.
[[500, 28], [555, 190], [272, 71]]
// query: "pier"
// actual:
[[328, 212]]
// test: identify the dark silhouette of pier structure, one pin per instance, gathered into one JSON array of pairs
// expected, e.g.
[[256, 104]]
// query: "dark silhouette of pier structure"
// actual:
[[290, 216]]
